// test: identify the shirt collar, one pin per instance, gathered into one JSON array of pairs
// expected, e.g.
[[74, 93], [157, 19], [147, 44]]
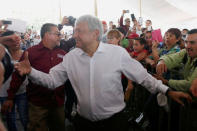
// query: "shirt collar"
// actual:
[[40, 45], [100, 49]]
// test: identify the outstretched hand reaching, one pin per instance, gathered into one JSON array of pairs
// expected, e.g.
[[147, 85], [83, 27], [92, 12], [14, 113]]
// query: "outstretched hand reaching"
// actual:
[[23, 67]]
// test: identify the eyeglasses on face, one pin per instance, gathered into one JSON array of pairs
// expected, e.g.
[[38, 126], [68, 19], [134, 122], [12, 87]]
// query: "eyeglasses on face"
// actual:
[[57, 34]]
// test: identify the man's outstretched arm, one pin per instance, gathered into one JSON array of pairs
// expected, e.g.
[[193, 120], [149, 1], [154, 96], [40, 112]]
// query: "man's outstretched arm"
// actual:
[[56, 77]]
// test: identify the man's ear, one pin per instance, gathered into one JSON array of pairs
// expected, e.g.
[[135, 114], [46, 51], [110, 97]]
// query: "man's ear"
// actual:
[[97, 33]]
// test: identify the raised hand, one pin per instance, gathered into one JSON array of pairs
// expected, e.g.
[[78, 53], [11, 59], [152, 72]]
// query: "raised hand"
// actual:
[[24, 66], [155, 44]]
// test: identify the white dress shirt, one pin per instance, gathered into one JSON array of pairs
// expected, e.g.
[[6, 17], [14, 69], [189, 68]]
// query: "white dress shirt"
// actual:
[[97, 79]]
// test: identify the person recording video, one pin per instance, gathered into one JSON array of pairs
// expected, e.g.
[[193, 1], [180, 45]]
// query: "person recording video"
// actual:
[[125, 26], [69, 44]]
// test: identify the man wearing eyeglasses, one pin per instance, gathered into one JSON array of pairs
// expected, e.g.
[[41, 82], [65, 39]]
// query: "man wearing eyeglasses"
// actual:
[[46, 110], [95, 70]]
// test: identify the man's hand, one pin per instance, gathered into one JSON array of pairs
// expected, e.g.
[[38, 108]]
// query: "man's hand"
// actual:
[[193, 88], [177, 95], [14, 38], [24, 66], [159, 77], [161, 67], [129, 89], [155, 44], [7, 106]]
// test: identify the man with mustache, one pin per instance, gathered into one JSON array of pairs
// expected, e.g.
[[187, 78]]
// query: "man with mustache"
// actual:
[[187, 60], [94, 70]]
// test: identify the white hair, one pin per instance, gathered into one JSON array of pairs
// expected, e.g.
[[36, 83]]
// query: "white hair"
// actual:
[[93, 24]]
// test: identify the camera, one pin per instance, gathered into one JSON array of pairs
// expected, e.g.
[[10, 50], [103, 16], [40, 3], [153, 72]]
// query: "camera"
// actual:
[[133, 17], [6, 22], [71, 21]]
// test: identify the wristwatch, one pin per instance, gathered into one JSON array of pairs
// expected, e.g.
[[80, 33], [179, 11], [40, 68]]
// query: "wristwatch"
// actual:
[[169, 89]]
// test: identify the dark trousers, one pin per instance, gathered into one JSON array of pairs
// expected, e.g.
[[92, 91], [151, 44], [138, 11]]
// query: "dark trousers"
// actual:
[[46, 118], [117, 122]]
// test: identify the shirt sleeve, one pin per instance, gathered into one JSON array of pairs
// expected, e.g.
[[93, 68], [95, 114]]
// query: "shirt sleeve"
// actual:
[[173, 60], [134, 71], [183, 85], [56, 77], [15, 84], [121, 21]]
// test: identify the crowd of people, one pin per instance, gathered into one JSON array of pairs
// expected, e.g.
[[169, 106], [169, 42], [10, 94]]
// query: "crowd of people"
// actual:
[[102, 78]]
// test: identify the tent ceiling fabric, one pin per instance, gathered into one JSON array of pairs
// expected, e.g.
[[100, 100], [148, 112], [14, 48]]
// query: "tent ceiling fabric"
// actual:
[[163, 13], [168, 13]]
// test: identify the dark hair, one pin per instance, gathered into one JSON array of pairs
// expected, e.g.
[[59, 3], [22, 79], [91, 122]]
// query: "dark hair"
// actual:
[[46, 28], [121, 30], [185, 30], [149, 21], [143, 29], [148, 31], [192, 31], [141, 40], [176, 32]]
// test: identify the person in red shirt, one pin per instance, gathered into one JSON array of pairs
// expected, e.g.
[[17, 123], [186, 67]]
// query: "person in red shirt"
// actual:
[[46, 110], [125, 26]]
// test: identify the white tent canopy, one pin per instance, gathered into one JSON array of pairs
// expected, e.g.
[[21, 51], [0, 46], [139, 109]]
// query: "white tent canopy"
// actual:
[[163, 13]]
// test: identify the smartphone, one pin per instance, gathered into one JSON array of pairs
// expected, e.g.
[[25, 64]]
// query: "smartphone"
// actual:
[[6, 22], [133, 17]]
